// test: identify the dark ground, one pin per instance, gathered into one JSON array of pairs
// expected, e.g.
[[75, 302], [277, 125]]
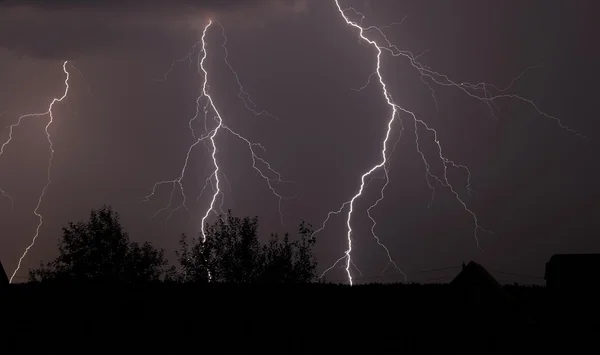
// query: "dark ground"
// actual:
[[294, 319]]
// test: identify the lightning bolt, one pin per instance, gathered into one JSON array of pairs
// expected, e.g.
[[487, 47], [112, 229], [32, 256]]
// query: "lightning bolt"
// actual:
[[2, 192], [483, 92], [48, 181], [209, 138], [242, 94]]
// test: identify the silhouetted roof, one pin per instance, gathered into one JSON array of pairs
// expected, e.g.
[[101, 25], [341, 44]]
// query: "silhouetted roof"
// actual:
[[490, 299], [573, 271], [575, 257], [3, 277], [476, 281], [475, 275]]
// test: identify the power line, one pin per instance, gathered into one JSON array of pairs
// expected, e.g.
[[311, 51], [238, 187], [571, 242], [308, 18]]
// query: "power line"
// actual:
[[515, 274], [453, 267], [440, 269]]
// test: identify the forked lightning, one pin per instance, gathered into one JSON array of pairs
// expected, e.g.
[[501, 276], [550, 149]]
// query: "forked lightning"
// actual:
[[215, 126], [50, 115], [210, 136], [486, 93]]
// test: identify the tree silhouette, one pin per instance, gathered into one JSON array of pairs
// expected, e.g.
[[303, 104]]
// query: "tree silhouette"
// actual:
[[100, 250], [233, 253]]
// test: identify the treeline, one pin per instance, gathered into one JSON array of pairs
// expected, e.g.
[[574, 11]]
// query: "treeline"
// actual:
[[99, 250]]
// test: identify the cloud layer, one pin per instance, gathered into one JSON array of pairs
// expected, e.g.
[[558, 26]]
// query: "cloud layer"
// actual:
[[64, 29]]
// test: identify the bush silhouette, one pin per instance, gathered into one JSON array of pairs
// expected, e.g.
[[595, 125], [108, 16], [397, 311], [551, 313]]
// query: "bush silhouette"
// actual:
[[100, 250], [233, 253]]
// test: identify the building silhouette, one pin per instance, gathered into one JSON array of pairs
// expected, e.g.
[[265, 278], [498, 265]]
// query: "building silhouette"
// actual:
[[488, 303], [572, 271], [479, 286], [3, 278]]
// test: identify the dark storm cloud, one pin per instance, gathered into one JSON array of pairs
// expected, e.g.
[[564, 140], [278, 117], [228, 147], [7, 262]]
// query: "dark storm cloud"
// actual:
[[173, 5], [63, 29]]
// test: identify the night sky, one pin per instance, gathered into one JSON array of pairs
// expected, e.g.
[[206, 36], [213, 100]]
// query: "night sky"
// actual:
[[121, 130]]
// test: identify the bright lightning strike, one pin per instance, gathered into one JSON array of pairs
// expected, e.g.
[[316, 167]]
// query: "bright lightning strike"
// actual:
[[479, 91], [212, 134], [209, 138], [381, 164], [48, 181]]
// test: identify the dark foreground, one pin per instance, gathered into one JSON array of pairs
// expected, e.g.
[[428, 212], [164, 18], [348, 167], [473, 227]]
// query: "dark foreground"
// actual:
[[300, 319]]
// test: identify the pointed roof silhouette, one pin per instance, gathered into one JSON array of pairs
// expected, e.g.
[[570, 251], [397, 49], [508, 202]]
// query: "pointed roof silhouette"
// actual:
[[475, 275], [3, 278], [481, 287], [489, 304]]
